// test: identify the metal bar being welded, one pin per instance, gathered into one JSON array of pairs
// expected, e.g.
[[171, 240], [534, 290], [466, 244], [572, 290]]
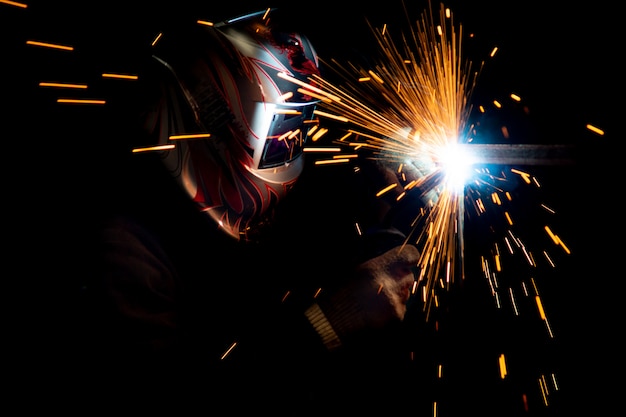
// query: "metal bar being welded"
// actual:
[[504, 154]]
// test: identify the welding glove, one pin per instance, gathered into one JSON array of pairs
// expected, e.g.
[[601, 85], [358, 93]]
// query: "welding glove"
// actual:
[[374, 295]]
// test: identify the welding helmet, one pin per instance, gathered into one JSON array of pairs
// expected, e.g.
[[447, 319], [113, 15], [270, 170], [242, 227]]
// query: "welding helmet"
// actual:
[[235, 118]]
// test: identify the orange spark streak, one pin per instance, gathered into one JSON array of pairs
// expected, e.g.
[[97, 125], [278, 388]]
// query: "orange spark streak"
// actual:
[[62, 85], [80, 101], [595, 129], [120, 76], [190, 136], [229, 350], [502, 364], [50, 45], [154, 148], [14, 3]]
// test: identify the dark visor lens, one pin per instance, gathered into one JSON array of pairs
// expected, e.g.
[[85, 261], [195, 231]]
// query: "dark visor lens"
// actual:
[[286, 137]]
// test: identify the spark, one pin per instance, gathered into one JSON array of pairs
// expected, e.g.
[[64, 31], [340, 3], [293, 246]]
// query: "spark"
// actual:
[[320, 149], [410, 111], [190, 136], [424, 86], [266, 12], [544, 389], [14, 3], [595, 129], [332, 161], [156, 39], [62, 85], [80, 101], [120, 76], [153, 148], [502, 363], [50, 45], [228, 350]]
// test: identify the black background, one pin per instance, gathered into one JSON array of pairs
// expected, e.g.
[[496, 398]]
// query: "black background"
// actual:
[[562, 61]]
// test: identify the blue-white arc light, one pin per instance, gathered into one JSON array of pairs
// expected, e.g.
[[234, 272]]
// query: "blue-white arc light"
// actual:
[[456, 163]]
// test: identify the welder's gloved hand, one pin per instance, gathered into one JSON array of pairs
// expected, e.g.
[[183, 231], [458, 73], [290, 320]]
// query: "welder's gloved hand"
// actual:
[[375, 295]]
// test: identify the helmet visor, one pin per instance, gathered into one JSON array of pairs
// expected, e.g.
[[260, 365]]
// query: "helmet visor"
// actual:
[[286, 136]]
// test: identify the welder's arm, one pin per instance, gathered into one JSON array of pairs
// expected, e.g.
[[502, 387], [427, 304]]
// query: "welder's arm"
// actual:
[[138, 287]]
